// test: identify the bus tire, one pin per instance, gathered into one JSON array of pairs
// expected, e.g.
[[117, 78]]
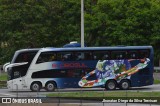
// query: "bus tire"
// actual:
[[36, 86], [111, 85], [124, 84], [50, 86]]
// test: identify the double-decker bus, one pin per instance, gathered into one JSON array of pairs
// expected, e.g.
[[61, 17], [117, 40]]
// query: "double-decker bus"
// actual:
[[110, 67]]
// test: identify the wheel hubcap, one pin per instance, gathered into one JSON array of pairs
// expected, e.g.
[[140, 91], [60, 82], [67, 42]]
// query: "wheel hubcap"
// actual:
[[124, 85], [50, 86], [35, 87], [111, 85]]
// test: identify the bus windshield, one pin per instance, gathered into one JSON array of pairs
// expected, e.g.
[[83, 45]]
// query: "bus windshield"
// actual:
[[20, 57]]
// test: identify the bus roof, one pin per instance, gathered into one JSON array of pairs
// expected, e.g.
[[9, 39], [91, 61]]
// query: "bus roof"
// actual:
[[29, 49], [96, 48]]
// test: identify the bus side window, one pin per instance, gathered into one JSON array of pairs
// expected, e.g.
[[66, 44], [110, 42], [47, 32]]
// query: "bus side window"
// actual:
[[65, 56], [114, 55], [132, 55], [46, 57], [83, 56], [119, 55], [101, 55], [79, 56], [53, 57], [143, 54], [23, 57], [88, 56], [40, 58]]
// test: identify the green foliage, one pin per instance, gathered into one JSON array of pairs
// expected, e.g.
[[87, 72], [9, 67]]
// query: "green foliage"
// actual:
[[124, 22], [3, 76], [53, 23], [98, 95], [156, 81]]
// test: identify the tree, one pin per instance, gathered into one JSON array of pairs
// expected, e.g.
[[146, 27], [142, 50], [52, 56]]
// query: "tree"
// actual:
[[53, 23]]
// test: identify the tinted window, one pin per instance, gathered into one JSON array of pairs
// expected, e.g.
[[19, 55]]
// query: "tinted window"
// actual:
[[25, 57], [74, 56], [77, 73], [143, 54], [138, 54], [132, 55], [91, 55], [65, 56], [101, 55], [19, 71], [83, 55], [47, 57], [118, 55]]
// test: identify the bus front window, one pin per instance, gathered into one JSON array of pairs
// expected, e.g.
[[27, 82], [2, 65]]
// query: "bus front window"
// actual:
[[21, 70], [9, 74]]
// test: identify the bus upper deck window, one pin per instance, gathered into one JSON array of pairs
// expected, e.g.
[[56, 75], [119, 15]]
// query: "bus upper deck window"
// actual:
[[21, 58], [119, 55], [88, 56], [143, 54], [39, 59], [46, 57], [105, 57], [101, 55], [64, 56], [132, 55]]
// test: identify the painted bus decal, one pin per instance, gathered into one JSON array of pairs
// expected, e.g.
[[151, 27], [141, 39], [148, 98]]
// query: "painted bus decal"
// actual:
[[112, 69], [69, 65]]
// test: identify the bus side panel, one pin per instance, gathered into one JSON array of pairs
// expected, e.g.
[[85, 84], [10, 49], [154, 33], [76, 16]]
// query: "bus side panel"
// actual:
[[144, 77], [135, 80], [135, 77], [67, 82]]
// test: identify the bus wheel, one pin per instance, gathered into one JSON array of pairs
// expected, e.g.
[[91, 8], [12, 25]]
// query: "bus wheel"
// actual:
[[35, 86], [110, 85], [50, 86], [124, 84]]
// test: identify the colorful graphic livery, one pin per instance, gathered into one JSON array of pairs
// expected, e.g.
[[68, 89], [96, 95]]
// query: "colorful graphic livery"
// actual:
[[112, 69]]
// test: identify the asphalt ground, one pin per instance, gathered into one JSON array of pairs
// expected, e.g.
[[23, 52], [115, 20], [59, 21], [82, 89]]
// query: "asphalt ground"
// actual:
[[62, 102], [6, 93]]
